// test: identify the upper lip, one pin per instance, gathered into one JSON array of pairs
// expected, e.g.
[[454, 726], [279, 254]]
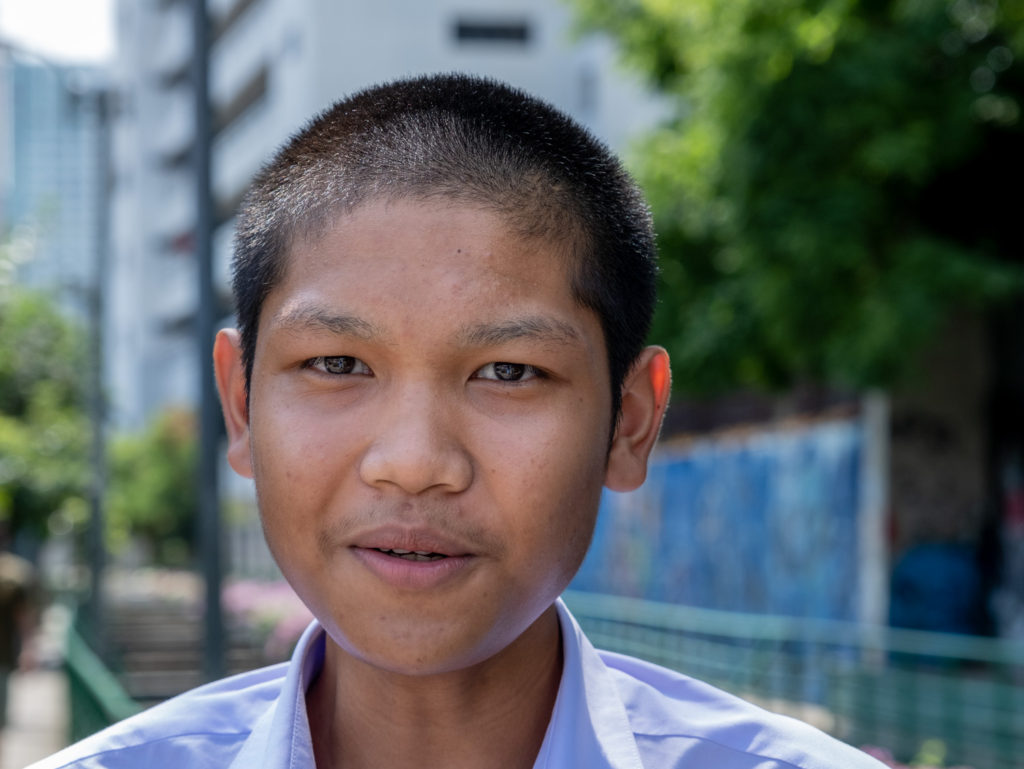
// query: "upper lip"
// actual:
[[412, 538]]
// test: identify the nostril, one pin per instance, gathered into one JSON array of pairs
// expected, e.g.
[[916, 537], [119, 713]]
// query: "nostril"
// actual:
[[416, 465]]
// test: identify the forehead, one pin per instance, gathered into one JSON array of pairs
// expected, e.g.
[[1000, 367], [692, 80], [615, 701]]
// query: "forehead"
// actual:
[[408, 258]]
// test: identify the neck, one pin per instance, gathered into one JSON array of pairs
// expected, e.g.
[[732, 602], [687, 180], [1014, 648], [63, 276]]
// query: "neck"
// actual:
[[492, 714]]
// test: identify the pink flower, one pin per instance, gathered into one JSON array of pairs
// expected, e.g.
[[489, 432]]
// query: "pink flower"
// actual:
[[271, 610]]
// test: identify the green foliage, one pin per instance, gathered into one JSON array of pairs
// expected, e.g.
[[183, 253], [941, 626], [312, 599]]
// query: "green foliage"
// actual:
[[152, 488], [836, 180], [43, 431]]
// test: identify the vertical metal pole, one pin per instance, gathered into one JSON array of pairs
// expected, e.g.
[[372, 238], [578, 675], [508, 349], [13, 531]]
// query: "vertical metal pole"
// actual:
[[872, 535], [208, 503], [97, 400], [873, 514]]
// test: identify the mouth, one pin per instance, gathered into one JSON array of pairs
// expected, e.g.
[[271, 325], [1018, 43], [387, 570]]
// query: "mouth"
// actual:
[[427, 562], [411, 555]]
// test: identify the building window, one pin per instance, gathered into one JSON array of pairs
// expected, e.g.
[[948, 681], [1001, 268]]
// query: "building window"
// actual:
[[514, 32]]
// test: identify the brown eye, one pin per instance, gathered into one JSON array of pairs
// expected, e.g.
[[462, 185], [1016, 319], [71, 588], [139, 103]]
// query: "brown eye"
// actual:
[[503, 371], [340, 364], [509, 372]]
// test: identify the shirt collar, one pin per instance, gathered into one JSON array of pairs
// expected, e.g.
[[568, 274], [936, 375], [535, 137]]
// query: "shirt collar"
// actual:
[[280, 739], [589, 725]]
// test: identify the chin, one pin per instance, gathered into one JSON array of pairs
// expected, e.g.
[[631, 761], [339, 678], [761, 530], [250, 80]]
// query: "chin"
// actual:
[[417, 649]]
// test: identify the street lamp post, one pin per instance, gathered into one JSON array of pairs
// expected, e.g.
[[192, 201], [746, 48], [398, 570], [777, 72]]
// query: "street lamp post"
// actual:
[[100, 99], [206, 320]]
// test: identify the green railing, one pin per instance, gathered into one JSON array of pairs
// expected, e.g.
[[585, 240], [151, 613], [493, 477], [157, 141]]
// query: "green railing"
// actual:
[[97, 698], [899, 689]]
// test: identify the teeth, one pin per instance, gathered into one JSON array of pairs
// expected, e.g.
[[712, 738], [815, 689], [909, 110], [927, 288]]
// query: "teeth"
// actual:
[[412, 555]]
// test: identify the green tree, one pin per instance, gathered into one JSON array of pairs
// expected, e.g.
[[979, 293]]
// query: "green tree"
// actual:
[[43, 429], [152, 490], [837, 179]]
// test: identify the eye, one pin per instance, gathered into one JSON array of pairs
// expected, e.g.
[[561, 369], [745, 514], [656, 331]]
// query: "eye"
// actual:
[[507, 372], [338, 364]]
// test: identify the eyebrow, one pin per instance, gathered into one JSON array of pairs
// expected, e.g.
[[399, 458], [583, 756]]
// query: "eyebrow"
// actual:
[[536, 327], [313, 318], [304, 318]]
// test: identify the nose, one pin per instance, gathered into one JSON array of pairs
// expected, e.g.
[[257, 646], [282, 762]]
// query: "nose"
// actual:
[[416, 446]]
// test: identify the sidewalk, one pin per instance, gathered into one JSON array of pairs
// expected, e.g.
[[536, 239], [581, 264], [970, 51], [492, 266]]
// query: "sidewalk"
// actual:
[[37, 711], [37, 718]]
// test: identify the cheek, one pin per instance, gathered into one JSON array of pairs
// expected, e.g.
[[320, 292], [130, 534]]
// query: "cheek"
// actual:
[[555, 502], [297, 461]]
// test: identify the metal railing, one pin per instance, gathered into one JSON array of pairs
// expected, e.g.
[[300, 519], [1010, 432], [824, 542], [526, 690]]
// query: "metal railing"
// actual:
[[898, 689], [97, 698]]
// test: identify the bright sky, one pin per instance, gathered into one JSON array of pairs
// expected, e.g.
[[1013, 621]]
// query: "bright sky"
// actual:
[[79, 31]]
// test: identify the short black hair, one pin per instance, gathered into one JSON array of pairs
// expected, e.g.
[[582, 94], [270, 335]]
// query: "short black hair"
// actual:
[[469, 140]]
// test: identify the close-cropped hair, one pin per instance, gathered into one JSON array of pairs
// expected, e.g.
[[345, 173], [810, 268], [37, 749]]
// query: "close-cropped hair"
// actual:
[[469, 141]]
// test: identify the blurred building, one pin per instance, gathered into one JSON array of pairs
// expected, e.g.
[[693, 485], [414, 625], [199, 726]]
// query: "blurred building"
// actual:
[[275, 63], [49, 164]]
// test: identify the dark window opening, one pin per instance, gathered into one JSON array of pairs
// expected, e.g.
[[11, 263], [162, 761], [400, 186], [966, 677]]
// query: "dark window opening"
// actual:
[[517, 32]]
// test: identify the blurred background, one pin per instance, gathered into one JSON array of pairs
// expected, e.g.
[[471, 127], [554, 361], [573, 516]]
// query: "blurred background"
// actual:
[[834, 521]]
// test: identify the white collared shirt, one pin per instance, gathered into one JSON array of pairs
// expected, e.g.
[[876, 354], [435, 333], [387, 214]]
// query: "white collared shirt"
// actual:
[[612, 712]]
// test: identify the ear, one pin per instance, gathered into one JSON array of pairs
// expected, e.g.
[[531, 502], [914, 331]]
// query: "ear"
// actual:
[[645, 396], [227, 363]]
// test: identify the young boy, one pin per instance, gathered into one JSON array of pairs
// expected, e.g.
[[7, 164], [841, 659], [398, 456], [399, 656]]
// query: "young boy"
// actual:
[[443, 291]]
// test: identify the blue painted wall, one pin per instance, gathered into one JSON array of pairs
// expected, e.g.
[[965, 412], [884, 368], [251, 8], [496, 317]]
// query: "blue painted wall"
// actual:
[[765, 523]]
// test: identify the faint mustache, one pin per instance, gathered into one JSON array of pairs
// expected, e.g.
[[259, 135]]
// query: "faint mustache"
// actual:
[[446, 521]]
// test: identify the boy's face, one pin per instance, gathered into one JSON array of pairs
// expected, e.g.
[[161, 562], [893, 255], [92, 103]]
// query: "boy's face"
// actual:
[[424, 381]]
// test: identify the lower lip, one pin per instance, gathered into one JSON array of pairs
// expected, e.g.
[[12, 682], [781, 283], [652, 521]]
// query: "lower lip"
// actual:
[[412, 575]]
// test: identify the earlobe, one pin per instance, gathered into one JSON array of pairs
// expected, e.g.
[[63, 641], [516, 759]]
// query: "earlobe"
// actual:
[[645, 395], [227, 363]]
